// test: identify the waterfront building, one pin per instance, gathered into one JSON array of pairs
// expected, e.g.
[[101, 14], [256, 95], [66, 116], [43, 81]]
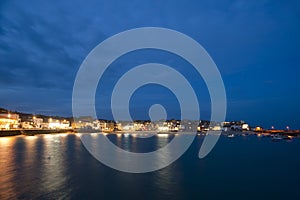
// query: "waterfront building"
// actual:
[[245, 127], [64, 124], [9, 121], [129, 127], [57, 124], [163, 128], [37, 122], [216, 128], [118, 126], [27, 125], [53, 123]]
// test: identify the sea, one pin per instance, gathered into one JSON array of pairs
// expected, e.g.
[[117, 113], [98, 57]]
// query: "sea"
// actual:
[[58, 166]]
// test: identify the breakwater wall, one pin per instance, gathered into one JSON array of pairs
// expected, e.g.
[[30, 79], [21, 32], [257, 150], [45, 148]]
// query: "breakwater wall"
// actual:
[[4, 133]]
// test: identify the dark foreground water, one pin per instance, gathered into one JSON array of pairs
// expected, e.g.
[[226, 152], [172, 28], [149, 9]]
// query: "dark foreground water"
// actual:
[[59, 167]]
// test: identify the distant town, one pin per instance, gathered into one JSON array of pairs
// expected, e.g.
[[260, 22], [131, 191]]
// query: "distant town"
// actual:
[[10, 120], [13, 120]]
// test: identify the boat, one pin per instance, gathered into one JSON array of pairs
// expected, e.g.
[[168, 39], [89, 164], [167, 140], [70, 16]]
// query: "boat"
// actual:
[[231, 135], [286, 137], [276, 138]]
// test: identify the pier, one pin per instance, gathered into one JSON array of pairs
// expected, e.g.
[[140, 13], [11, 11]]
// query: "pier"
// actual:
[[279, 132]]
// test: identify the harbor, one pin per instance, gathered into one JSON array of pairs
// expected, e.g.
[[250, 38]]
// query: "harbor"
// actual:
[[58, 165]]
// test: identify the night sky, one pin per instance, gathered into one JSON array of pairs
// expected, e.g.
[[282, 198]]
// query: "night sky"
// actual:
[[255, 45]]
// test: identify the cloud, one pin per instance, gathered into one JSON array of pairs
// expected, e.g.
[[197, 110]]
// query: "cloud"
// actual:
[[42, 43]]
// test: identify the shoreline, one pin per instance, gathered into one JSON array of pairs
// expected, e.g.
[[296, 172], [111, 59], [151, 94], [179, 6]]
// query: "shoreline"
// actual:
[[31, 132]]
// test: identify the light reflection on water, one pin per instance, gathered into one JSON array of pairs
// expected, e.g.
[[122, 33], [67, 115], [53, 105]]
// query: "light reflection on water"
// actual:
[[54, 175], [59, 167], [7, 169], [33, 166]]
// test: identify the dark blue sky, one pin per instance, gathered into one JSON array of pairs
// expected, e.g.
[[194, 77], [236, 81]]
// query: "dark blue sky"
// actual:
[[255, 45]]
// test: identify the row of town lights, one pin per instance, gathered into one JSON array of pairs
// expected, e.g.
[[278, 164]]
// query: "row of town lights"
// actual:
[[50, 120]]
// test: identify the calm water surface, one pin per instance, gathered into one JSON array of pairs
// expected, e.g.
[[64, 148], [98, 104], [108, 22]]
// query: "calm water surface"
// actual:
[[59, 167]]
